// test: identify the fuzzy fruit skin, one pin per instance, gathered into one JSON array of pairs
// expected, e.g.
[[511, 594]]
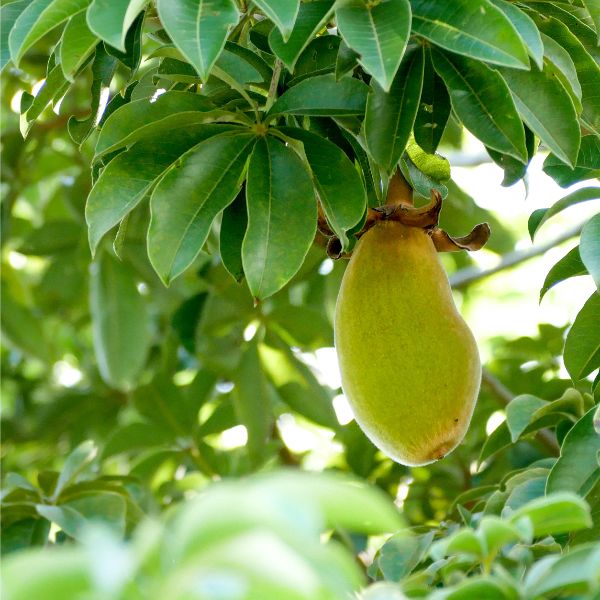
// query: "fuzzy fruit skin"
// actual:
[[409, 363]]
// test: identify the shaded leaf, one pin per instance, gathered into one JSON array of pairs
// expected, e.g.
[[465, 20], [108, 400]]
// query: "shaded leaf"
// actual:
[[311, 18], [233, 229], [9, 13], [341, 191], [282, 12], [251, 402], [323, 96], [433, 111], [120, 323], [587, 165], [389, 117]]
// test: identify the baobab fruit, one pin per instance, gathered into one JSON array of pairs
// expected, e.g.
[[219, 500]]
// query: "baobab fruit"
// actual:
[[409, 363]]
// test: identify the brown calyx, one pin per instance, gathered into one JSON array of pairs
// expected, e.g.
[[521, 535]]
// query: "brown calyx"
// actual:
[[400, 207]]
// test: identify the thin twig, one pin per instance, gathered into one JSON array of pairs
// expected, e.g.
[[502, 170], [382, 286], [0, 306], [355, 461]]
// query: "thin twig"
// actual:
[[466, 277], [502, 393]]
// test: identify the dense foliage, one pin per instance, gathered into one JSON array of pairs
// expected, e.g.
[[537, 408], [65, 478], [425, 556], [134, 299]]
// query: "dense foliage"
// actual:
[[174, 174]]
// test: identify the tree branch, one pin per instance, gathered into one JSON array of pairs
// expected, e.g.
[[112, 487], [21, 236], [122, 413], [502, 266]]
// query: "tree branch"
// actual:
[[502, 393], [466, 277]]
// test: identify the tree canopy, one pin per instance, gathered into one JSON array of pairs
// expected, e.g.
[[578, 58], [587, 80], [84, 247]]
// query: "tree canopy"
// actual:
[[183, 181]]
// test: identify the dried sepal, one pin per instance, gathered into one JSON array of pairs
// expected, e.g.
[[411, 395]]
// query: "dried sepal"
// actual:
[[473, 241]]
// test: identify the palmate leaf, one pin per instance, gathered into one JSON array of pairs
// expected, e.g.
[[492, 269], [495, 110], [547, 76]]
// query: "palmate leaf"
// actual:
[[127, 179], [198, 28], [483, 102], [389, 117], [40, 17], [473, 28], [282, 217], [311, 18], [189, 197], [111, 19], [76, 45], [547, 109], [378, 32]]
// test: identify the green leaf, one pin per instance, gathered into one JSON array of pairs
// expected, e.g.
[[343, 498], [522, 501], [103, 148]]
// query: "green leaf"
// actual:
[[296, 384], [9, 13], [582, 346], [564, 68], [487, 586], [573, 574], [53, 237], [588, 72], [560, 512], [203, 182], [402, 553], [433, 111], [282, 12], [341, 191], [77, 460], [570, 265], [73, 517], [22, 328], [378, 32], [389, 117], [540, 216], [519, 412], [577, 461], [526, 28], [76, 45], [547, 109], [111, 19], [524, 492], [589, 248], [304, 327], [130, 176], [40, 17], [233, 229], [51, 91], [251, 401], [514, 170], [120, 323], [199, 28], [60, 574], [587, 165], [311, 19], [103, 69], [164, 405], [496, 441], [282, 217], [482, 101], [323, 96], [496, 533], [134, 437], [141, 118], [473, 28], [593, 8]]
